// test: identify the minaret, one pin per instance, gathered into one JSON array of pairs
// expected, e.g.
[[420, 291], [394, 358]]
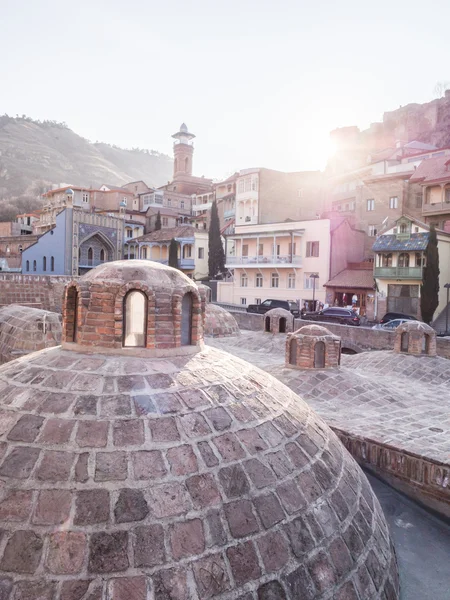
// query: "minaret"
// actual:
[[183, 150]]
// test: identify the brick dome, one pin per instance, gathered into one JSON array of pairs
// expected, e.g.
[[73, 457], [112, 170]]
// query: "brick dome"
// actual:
[[219, 322], [278, 320], [134, 307], [415, 337], [312, 347], [177, 477], [314, 331]]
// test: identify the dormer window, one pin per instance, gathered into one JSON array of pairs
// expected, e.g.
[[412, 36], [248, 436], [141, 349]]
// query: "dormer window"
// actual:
[[403, 228]]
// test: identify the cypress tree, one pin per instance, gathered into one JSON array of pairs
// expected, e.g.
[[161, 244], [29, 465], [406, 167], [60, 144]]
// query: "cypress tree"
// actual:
[[429, 290], [158, 221], [173, 254], [216, 254]]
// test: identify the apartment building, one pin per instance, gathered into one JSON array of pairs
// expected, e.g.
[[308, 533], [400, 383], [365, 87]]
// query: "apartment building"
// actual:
[[433, 177], [399, 266]]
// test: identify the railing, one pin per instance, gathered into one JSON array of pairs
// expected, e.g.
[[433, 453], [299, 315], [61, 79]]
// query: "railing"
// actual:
[[437, 207], [229, 213], [398, 272], [90, 263], [262, 260]]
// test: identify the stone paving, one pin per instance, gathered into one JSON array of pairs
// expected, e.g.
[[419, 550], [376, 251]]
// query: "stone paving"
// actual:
[[394, 399], [178, 478]]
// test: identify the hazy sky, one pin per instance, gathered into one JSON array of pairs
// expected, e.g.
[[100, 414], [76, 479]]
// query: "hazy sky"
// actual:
[[261, 83]]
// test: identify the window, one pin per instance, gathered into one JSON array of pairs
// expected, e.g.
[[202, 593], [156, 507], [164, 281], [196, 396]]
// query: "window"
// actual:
[[144, 253], [278, 249], [403, 228], [299, 193], [418, 200], [312, 249], [169, 202], [52, 263], [44, 263], [187, 251], [181, 203], [403, 260], [259, 280], [90, 256], [245, 250], [393, 202], [125, 200], [386, 260], [291, 281], [244, 301], [311, 282], [260, 249], [129, 233], [372, 231], [102, 255], [371, 204], [85, 197], [254, 184], [447, 195], [165, 221], [135, 319], [274, 280], [201, 253], [186, 319], [244, 280], [34, 265], [420, 259], [28, 265], [257, 300], [416, 230]]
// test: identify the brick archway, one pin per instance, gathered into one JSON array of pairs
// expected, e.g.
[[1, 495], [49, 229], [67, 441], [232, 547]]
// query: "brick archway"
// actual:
[[119, 312]]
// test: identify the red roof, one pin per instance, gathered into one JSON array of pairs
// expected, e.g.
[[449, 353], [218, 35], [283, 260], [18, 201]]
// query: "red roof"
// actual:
[[433, 169], [352, 278]]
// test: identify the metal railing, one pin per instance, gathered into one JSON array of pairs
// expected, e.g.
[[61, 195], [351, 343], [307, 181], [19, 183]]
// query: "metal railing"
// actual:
[[260, 260], [399, 272]]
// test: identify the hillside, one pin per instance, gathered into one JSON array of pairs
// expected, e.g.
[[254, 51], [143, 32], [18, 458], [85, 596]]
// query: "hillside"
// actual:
[[34, 155]]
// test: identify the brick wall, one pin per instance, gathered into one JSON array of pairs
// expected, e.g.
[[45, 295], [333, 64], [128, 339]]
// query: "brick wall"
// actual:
[[39, 291]]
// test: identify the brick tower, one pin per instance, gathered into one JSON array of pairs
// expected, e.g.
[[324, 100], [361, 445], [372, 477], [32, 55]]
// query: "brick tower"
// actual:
[[183, 150]]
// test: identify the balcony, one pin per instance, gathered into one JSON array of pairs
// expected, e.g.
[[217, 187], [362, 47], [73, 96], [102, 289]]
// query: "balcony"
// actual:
[[436, 208], [398, 272], [229, 213], [263, 261], [199, 207]]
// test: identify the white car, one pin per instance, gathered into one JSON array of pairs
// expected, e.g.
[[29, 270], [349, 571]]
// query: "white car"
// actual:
[[391, 324]]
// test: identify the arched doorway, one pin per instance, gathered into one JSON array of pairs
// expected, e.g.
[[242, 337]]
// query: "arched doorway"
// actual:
[[282, 325], [319, 355], [404, 342], [72, 314], [426, 344], [186, 320], [293, 352], [135, 319], [267, 325]]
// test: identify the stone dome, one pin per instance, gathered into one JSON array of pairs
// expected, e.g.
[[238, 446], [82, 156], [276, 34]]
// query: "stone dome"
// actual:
[[176, 477], [415, 337], [278, 320], [312, 347], [314, 331], [219, 322]]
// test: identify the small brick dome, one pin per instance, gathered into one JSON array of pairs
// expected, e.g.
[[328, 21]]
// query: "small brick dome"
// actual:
[[313, 347], [278, 320], [415, 337], [136, 477], [135, 307], [219, 322]]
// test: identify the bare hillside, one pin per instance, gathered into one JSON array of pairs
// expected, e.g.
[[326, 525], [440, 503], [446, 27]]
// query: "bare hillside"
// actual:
[[35, 155]]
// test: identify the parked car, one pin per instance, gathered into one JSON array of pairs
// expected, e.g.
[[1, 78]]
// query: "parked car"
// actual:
[[390, 316], [269, 304], [390, 324], [335, 314]]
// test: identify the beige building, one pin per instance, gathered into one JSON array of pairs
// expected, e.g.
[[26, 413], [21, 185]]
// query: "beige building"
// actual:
[[399, 267], [192, 249]]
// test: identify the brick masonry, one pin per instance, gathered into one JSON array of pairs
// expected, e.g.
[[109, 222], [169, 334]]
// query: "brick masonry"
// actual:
[[177, 478], [312, 347], [278, 320], [218, 321], [24, 329], [38, 291]]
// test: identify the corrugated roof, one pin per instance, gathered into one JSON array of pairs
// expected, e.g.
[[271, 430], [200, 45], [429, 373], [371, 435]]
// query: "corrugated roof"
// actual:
[[352, 278], [417, 241]]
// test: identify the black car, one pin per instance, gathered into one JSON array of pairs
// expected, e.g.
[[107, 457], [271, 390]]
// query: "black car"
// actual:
[[262, 308], [342, 316], [390, 316]]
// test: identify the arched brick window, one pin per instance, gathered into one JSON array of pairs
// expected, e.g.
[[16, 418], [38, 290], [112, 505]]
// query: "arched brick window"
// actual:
[[267, 324], [319, 355], [404, 342], [426, 344], [71, 319], [293, 352], [135, 319], [282, 325], [186, 319]]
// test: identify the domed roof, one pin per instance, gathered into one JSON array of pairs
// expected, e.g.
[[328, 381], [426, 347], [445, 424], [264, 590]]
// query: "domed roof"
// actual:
[[219, 322], [314, 331], [183, 128], [194, 476], [415, 326], [279, 312], [69, 192]]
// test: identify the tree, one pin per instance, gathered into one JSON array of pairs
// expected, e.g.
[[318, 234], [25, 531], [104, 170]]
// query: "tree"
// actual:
[[429, 290], [158, 221], [216, 257], [173, 254]]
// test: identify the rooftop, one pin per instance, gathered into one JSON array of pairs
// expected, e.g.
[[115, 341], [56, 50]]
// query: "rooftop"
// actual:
[[394, 243]]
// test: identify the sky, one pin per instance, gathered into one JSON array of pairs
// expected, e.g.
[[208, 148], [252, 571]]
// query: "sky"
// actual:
[[261, 83]]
